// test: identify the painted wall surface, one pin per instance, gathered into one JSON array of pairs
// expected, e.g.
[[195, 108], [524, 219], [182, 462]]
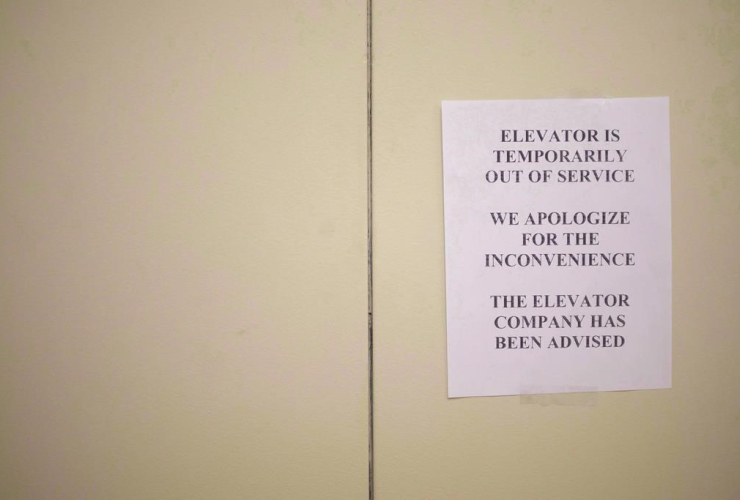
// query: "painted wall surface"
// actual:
[[682, 443], [183, 250]]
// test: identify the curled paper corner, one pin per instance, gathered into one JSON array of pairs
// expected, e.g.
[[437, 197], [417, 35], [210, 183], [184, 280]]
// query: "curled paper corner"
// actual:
[[571, 396]]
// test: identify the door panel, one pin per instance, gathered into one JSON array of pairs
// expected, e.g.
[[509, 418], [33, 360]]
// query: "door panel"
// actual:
[[183, 250], [678, 443]]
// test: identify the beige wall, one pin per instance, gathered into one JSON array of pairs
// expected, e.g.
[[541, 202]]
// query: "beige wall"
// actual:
[[670, 444], [183, 253], [182, 250]]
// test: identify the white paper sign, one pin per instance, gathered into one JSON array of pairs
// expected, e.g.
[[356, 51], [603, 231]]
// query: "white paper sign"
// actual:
[[558, 245]]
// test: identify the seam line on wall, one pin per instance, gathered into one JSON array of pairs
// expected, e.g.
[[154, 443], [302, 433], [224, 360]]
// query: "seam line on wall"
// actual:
[[369, 57]]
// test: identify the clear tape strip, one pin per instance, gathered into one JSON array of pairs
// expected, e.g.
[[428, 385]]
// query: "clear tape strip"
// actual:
[[559, 396]]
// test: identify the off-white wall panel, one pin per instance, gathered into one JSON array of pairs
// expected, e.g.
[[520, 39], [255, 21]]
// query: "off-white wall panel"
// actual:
[[182, 250], [669, 444]]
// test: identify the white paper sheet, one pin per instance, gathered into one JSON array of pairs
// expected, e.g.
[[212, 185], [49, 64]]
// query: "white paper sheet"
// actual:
[[557, 245]]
